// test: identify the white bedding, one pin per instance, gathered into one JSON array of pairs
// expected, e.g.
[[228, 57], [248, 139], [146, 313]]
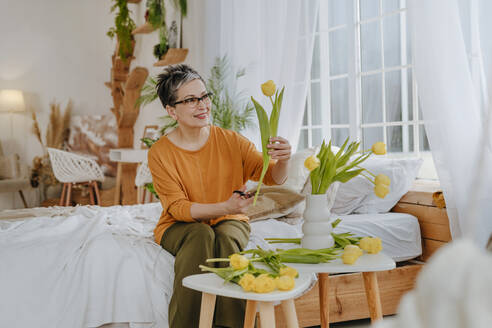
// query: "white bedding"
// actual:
[[88, 266]]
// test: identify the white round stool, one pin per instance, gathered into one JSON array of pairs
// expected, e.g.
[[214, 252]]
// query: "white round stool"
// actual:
[[212, 285]]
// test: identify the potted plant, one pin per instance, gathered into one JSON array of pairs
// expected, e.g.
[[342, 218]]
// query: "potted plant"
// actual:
[[123, 28], [156, 17]]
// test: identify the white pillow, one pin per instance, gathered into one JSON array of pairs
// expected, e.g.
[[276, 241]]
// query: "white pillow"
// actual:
[[357, 195], [401, 171]]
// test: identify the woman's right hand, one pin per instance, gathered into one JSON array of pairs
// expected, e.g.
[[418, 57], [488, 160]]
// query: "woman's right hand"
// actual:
[[237, 204]]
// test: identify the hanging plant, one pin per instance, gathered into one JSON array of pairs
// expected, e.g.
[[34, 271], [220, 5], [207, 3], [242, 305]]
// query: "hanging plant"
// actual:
[[123, 28]]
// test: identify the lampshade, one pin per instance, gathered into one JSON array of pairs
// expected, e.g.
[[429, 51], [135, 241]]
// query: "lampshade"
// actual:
[[11, 101]]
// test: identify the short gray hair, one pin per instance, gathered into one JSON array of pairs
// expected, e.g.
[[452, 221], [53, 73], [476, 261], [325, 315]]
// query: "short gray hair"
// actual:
[[171, 79]]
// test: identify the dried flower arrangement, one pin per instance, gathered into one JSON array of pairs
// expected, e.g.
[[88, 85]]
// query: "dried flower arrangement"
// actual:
[[57, 133]]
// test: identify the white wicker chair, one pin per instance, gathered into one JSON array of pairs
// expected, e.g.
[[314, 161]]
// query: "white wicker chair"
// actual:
[[71, 169], [143, 177]]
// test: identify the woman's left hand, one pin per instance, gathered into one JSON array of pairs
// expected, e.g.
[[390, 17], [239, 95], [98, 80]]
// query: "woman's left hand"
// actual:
[[279, 149]]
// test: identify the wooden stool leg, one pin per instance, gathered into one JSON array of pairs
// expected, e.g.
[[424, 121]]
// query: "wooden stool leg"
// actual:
[[117, 189], [324, 299], [372, 294], [68, 194], [250, 314], [267, 314], [62, 196], [23, 199], [207, 310], [144, 194], [289, 309], [91, 193], [98, 195]]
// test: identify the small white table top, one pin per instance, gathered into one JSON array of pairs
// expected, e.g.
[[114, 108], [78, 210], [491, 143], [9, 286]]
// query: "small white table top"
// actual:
[[212, 284], [365, 263], [128, 155]]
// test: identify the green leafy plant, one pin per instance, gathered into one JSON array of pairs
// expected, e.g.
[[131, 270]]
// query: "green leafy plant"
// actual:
[[229, 109], [123, 28]]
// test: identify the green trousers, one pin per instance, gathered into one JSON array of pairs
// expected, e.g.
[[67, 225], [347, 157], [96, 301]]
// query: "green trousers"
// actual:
[[191, 244]]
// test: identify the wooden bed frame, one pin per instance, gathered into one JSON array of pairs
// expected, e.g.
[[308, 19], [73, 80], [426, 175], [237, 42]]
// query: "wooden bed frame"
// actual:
[[347, 293]]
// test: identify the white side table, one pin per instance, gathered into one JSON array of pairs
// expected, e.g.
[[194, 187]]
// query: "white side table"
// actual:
[[125, 156], [368, 264], [212, 285]]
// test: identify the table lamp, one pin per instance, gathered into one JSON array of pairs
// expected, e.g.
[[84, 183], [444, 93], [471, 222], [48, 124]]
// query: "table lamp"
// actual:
[[11, 101]]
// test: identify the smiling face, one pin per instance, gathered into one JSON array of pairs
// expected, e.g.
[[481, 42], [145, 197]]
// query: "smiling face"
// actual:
[[189, 115]]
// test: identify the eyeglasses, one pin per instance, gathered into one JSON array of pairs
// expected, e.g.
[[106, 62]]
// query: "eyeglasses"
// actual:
[[194, 101]]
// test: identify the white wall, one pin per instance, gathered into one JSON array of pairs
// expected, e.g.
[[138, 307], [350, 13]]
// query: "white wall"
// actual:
[[58, 49]]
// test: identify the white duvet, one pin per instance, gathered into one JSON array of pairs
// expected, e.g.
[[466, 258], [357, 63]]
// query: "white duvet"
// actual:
[[89, 266]]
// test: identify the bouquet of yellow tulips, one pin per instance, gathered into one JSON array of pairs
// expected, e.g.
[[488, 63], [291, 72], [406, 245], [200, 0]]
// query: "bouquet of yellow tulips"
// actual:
[[243, 272], [327, 167]]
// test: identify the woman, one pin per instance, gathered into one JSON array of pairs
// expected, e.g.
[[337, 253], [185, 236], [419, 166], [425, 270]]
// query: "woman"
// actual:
[[195, 169]]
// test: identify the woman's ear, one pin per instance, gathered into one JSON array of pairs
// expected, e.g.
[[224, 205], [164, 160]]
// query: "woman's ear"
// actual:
[[171, 111]]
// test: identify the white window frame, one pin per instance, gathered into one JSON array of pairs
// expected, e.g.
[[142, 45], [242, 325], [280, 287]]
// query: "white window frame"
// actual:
[[355, 74]]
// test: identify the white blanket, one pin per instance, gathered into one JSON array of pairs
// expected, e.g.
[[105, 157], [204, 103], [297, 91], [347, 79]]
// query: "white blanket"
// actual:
[[454, 290], [90, 268]]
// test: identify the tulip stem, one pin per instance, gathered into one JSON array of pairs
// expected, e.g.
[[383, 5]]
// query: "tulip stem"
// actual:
[[366, 170], [218, 260], [368, 178]]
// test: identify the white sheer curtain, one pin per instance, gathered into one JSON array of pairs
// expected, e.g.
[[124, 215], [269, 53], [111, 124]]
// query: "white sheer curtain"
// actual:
[[272, 40], [451, 52]]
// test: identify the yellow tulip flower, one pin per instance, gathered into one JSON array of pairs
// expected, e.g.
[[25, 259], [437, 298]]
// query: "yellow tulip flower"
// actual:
[[382, 179], [268, 88], [350, 254], [311, 162], [381, 190], [289, 271], [371, 245], [379, 148], [238, 261], [285, 282], [264, 284], [247, 282]]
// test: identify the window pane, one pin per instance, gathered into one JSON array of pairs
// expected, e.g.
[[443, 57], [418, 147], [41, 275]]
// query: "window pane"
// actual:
[[372, 103], [370, 136], [369, 8], [409, 41], [392, 47], [410, 94], [315, 66], [338, 52], [424, 143], [421, 116], [370, 46], [303, 140], [394, 134], [393, 96], [338, 136], [317, 137], [305, 117], [390, 5], [337, 12], [410, 138], [315, 104], [339, 101]]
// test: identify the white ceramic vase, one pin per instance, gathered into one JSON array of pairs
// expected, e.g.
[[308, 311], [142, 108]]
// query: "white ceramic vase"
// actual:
[[317, 219]]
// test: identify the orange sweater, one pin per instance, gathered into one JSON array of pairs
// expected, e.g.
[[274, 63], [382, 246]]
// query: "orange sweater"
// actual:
[[208, 175]]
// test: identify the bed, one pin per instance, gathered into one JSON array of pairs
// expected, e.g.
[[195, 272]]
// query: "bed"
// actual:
[[99, 265]]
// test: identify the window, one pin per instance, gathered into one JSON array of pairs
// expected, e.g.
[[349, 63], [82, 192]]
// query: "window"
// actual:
[[361, 80]]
